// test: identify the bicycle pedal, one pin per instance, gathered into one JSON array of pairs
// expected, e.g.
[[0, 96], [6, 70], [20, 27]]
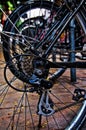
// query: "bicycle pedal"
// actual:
[[78, 94]]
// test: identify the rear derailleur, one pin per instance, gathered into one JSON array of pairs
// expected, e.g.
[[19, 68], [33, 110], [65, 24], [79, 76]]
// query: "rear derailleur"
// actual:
[[42, 86], [40, 73], [45, 105]]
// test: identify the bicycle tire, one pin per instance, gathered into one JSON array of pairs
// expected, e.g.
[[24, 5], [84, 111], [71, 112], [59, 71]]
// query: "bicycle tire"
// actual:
[[8, 28], [79, 118]]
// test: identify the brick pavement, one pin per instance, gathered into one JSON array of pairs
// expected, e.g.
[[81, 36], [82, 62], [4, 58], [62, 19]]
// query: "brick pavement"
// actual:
[[11, 98]]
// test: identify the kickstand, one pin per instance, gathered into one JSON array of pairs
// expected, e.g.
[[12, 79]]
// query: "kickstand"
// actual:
[[39, 124]]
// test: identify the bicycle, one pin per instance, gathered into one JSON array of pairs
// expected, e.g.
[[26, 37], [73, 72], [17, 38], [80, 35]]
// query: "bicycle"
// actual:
[[36, 41]]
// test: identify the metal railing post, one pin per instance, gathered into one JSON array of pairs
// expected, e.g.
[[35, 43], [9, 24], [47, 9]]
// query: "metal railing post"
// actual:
[[72, 47]]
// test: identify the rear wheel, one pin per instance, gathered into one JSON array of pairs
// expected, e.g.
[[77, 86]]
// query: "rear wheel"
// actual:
[[32, 22]]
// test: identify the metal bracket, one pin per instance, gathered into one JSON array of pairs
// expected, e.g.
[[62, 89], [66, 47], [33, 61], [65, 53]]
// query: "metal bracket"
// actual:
[[45, 105]]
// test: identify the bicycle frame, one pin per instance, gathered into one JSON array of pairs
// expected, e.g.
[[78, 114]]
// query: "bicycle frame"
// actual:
[[63, 24]]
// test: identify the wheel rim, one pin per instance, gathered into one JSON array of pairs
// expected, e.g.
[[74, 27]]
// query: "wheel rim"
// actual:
[[23, 116]]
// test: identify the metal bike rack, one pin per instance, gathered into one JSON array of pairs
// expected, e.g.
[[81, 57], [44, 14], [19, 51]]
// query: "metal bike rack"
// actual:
[[72, 45]]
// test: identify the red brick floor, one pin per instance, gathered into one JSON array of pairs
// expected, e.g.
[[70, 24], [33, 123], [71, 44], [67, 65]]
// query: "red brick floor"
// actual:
[[11, 99]]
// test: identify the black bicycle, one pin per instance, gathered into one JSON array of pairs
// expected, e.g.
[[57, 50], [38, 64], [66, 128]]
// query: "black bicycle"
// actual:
[[39, 37]]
